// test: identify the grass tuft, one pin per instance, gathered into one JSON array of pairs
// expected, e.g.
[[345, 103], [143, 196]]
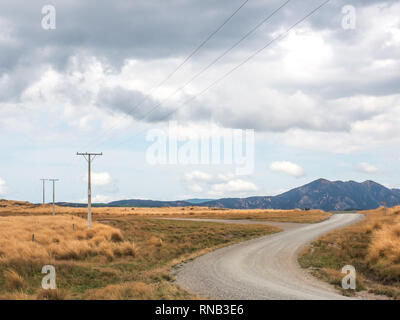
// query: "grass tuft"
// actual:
[[131, 290], [372, 246], [55, 241], [13, 281], [56, 294]]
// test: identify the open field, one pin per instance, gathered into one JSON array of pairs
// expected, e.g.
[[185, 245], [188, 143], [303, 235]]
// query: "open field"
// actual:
[[371, 246], [126, 257], [127, 254], [299, 216]]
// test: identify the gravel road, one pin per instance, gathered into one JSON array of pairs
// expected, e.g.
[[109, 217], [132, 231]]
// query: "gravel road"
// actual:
[[265, 268]]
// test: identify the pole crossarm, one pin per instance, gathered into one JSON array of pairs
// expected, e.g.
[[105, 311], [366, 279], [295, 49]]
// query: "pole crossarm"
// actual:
[[86, 155], [89, 153]]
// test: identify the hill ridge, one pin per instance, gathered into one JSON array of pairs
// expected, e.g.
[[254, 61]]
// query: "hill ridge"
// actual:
[[318, 194]]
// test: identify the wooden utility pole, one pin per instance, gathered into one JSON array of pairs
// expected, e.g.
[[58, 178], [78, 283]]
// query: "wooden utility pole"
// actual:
[[89, 158], [44, 190], [54, 195]]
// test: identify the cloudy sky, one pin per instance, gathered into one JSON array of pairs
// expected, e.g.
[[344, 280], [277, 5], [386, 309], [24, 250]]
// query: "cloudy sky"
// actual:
[[322, 99]]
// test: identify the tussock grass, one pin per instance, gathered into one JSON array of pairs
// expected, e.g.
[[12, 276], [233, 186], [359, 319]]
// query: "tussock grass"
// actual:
[[41, 240], [13, 281], [385, 245], [123, 291], [127, 254], [297, 215], [16, 295], [384, 251], [57, 294], [372, 246], [103, 263], [156, 241]]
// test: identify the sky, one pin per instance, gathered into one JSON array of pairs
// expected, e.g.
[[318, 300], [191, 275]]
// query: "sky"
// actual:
[[293, 101]]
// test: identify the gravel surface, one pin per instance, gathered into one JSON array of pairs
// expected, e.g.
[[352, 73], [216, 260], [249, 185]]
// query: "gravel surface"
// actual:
[[264, 268]]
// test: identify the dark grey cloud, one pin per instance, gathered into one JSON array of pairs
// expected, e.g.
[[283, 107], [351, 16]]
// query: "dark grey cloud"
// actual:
[[114, 31], [132, 103], [12, 84], [135, 29], [147, 29]]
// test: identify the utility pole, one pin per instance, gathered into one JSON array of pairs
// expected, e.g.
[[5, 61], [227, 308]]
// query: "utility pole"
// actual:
[[89, 158], [54, 195], [44, 190]]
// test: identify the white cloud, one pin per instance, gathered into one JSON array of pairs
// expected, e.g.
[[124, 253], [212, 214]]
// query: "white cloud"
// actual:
[[3, 187], [287, 167], [225, 177], [198, 176], [100, 179], [320, 88], [217, 185], [237, 186], [367, 168], [100, 198], [294, 97], [195, 188]]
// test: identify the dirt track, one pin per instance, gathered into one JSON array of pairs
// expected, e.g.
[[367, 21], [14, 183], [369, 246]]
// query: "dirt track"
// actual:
[[263, 268]]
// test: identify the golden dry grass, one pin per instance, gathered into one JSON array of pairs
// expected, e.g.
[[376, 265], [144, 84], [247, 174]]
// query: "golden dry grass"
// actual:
[[103, 263], [128, 253], [40, 240], [122, 292], [16, 295], [297, 215], [384, 248], [13, 281], [57, 294], [383, 225], [372, 246]]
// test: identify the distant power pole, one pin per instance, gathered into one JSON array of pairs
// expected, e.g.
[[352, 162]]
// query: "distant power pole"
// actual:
[[54, 195], [384, 207], [89, 158], [44, 190]]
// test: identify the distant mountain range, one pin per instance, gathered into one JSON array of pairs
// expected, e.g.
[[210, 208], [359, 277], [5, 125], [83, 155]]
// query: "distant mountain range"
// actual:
[[319, 194], [197, 201]]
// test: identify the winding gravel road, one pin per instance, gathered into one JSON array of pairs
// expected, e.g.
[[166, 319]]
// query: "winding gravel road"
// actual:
[[265, 268]]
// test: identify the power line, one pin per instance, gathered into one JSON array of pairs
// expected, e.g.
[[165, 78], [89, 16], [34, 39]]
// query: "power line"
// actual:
[[280, 36], [219, 57], [89, 159], [192, 54], [198, 74], [197, 49]]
